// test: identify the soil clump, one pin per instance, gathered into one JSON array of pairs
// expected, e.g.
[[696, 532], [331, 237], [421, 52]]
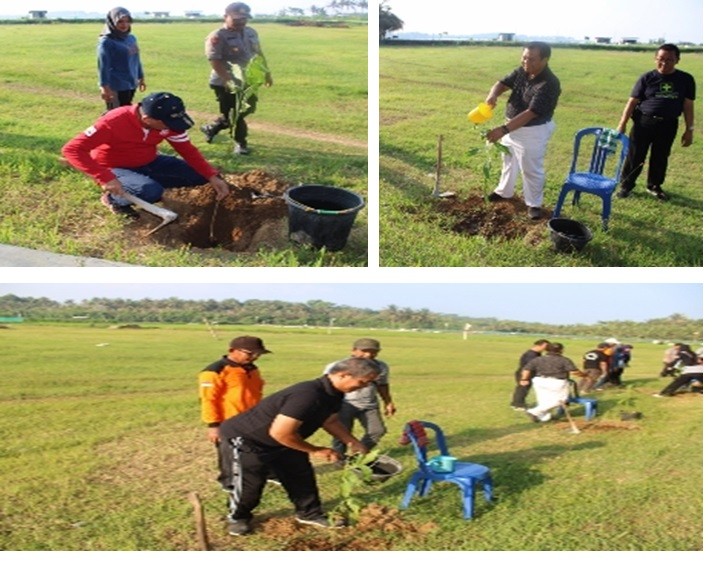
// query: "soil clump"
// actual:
[[252, 216]]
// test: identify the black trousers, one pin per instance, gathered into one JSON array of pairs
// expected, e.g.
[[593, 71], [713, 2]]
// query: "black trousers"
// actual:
[[227, 106], [519, 396], [124, 97], [252, 466], [648, 133], [680, 381], [225, 462]]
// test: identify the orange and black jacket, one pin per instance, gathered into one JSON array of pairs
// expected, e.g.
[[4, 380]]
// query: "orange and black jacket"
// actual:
[[227, 388]]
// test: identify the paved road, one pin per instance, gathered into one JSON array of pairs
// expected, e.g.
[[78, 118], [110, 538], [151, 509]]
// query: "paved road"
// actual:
[[14, 256]]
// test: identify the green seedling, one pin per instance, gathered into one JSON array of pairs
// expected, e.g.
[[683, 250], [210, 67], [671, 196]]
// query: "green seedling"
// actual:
[[246, 82], [491, 152], [356, 472]]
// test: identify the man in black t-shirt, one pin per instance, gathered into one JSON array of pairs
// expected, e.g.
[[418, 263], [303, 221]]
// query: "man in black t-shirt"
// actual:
[[550, 378], [271, 438], [595, 365], [534, 91], [520, 393], [657, 100]]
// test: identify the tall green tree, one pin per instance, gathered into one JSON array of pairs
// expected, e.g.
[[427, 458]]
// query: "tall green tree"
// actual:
[[388, 21]]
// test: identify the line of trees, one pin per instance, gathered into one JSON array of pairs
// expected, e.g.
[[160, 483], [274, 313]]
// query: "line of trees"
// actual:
[[322, 313], [335, 6]]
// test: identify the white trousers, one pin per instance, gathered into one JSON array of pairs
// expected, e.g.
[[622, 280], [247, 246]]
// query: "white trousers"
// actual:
[[550, 393], [528, 146]]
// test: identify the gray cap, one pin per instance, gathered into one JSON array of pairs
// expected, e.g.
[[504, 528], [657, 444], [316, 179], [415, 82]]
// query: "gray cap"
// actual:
[[238, 8]]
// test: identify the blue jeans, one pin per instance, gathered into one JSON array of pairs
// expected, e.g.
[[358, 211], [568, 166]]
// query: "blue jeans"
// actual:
[[149, 182]]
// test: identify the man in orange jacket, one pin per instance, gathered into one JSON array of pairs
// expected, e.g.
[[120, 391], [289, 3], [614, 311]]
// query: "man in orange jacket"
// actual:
[[227, 387]]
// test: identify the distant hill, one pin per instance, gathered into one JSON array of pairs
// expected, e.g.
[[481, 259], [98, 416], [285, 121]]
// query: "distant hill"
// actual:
[[416, 36]]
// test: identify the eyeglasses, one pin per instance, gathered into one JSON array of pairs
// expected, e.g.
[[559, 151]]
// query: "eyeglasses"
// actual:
[[251, 353]]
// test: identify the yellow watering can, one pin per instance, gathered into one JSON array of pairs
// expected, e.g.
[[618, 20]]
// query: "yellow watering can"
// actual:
[[480, 114]]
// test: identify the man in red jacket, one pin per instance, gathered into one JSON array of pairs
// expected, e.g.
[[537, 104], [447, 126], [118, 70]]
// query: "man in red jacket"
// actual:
[[120, 153]]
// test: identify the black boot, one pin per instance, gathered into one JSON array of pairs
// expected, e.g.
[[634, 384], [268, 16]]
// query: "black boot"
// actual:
[[211, 130]]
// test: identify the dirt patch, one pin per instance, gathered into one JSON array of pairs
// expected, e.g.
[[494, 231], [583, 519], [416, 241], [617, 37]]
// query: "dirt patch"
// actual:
[[473, 216], [598, 426], [254, 215], [375, 529]]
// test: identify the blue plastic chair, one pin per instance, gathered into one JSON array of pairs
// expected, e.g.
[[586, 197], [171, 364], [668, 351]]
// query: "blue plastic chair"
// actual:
[[465, 474], [590, 404], [601, 176]]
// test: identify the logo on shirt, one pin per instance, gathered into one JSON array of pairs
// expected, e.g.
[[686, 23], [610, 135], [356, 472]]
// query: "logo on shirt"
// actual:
[[89, 131], [667, 92]]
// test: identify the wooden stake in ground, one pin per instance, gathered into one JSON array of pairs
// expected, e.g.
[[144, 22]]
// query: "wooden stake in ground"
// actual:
[[438, 170], [573, 425], [210, 328], [199, 520]]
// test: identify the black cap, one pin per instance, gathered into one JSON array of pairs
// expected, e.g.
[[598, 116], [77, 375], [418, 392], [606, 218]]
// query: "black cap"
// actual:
[[248, 343], [169, 109]]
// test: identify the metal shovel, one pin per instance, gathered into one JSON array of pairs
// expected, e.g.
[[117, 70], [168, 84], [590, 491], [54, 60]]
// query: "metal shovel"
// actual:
[[166, 215]]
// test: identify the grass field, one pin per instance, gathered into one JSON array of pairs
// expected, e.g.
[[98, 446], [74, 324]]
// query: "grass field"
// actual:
[[101, 443], [311, 127], [428, 91]]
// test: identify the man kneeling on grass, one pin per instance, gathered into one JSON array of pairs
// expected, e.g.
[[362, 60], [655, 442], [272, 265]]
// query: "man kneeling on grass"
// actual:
[[120, 153], [550, 381], [271, 438]]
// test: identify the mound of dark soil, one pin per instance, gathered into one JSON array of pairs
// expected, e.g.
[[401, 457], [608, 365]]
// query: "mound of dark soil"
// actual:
[[473, 216], [375, 529], [253, 215]]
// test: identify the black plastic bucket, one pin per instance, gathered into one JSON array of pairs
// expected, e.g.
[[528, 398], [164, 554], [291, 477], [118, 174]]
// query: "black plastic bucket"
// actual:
[[321, 215], [568, 235], [383, 467]]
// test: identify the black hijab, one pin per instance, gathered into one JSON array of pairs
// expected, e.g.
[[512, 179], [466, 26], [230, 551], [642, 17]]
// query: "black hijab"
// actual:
[[110, 23]]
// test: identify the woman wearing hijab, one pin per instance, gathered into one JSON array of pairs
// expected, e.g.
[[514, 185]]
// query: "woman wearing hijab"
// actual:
[[120, 69]]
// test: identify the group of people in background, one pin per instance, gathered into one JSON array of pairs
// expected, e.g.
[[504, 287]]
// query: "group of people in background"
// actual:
[[657, 101], [555, 378], [260, 439], [602, 367], [119, 151]]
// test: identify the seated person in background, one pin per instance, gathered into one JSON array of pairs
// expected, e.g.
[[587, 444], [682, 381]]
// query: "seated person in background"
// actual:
[[690, 374]]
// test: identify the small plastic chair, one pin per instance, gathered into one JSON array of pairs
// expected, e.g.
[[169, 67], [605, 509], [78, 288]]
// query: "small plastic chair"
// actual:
[[608, 151], [464, 474], [590, 404]]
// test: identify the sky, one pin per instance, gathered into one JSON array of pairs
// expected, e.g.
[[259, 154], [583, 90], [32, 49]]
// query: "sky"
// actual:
[[671, 20], [552, 303], [645, 19], [138, 7]]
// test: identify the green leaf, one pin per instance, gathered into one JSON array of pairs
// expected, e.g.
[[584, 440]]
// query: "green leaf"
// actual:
[[487, 170], [255, 72], [502, 148]]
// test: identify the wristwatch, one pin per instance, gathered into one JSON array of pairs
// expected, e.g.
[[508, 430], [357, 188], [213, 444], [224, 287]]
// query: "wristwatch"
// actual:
[[505, 130]]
